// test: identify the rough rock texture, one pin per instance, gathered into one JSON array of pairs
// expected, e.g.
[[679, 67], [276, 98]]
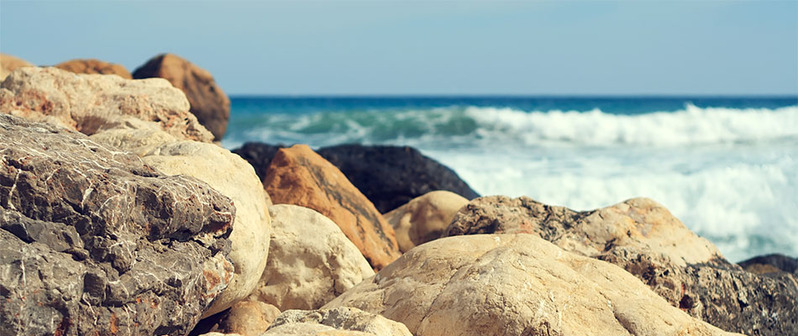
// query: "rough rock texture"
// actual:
[[95, 242], [424, 218], [335, 321], [771, 263], [249, 318], [299, 176], [10, 63], [94, 66], [310, 260], [645, 239], [234, 178], [514, 284], [391, 176], [259, 155], [88, 103], [208, 101]]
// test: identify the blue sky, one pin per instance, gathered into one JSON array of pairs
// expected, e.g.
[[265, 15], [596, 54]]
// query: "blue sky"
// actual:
[[444, 47]]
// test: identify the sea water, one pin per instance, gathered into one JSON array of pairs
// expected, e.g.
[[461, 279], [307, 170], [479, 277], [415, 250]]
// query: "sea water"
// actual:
[[727, 167]]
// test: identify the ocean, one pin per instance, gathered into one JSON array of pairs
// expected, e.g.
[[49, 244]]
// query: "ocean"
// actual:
[[726, 166]]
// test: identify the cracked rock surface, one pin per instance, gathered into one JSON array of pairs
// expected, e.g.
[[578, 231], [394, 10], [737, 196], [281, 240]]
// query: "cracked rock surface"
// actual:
[[646, 240], [95, 242], [514, 284]]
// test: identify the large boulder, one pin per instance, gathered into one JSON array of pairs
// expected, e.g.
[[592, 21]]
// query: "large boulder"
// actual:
[[771, 263], [95, 242], [89, 103], [514, 284], [424, 218], [225, 172], [10, 63], [649, 242], [299, 176], [310, 260], [208, 102], [391, 176], [335, 321], [94, 66], [259, 155]]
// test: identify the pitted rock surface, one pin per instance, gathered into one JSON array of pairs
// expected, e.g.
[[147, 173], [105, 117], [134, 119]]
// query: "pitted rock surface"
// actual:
[[644, 238], [90, 103], [95, 242]]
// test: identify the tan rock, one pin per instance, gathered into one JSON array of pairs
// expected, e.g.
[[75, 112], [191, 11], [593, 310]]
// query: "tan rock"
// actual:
[[249, 318], [208, 102], [10, 63], [299, 176], [220, 334], [515, 284], [87, 103], [424, 218], [94, 66], [235, 178], [310, 260], [335, 321]]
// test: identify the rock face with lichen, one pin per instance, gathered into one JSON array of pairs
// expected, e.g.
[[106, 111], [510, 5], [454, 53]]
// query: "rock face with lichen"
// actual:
[[646, 240], [95, 242], [91, 103]]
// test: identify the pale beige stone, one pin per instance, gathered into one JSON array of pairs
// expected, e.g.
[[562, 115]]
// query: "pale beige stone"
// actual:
[[514, 284], [87, 103], [249, 318], [335, 321], [310, 260], [424, 218], [10, 63]]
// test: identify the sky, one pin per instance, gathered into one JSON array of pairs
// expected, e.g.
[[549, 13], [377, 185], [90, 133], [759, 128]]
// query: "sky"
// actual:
[[433, 47]]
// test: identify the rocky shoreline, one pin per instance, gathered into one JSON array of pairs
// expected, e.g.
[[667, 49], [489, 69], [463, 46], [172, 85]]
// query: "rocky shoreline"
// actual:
[[119, 215]]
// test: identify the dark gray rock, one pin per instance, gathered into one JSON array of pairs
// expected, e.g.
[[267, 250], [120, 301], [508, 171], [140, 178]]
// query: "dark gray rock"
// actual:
[[642, 237], [94, 242], [259, 155], [391, 176], [771, 263]]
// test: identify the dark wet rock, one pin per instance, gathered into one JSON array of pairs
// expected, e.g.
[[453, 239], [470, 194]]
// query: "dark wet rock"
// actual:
[[646, 240], [391, 176], [771, 263], [94, 242], [208, 102], [259, 155]]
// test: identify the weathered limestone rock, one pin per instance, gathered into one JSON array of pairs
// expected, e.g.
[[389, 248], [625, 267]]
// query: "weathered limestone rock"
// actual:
[[299, 176], [234, 178], [310, 260], [424, 218], [94, 66], [88, 103], [335, 321], [391, 176], [514, 284], [95, 242], [645, 239], [208, 101], [10, 63]]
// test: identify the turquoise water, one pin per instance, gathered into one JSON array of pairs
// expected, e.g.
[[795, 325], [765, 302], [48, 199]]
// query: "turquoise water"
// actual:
[[727, 166]]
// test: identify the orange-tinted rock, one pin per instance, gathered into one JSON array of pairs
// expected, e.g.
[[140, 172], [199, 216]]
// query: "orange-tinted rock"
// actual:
[[208, 102], [10, 63], [299, 176], [94, 66]]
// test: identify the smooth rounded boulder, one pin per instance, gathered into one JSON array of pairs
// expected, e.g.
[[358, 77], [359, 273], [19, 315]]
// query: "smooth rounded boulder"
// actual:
[[335, 321], [89, 103], [424, 218], [310, 260], [94, 66], [10, 63], [299, 176], [514, 284], [208, 102]]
